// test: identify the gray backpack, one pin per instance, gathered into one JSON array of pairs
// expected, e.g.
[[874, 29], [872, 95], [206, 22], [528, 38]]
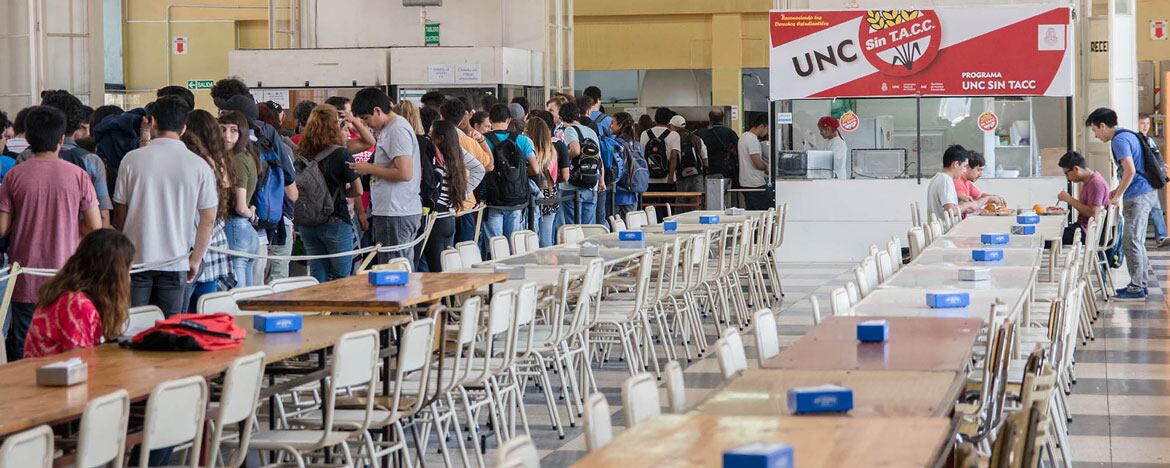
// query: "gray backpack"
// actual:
[[314, 206]]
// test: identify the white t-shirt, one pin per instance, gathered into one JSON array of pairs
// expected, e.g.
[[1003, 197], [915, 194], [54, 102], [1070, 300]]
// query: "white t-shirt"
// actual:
[[840, 156], [939, 193], [163, 185], [749, 176], [673, 141], [396, 198]]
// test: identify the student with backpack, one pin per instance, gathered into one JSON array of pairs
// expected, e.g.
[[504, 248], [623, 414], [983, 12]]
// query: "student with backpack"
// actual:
[[553, 161], [722, 146], [635, 175], [661, 145], [325, 181], [506, 187], [586, 170], [691, 164], [456, 173]]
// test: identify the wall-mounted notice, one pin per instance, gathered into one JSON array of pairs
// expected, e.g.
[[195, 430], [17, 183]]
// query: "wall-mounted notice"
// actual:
[[468, 73], [441, 74]]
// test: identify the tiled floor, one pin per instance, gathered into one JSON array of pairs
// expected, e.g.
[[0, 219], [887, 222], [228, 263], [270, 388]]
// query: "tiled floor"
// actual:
[[1120, 404]]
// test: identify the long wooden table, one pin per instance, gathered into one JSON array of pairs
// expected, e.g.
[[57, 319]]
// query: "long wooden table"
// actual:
[[699, 440], [888, 394], [915, 344], [355, 294], [111, 367], [907, 302]]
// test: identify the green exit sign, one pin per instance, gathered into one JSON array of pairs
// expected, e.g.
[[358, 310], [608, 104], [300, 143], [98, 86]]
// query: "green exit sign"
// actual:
[[200, 84], [431, 34]]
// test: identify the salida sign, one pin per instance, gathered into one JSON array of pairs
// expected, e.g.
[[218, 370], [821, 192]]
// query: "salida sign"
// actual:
[[952, 51]]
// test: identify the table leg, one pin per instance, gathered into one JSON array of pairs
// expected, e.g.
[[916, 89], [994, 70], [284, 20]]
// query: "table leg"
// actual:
[[386, 431], [322, 362]]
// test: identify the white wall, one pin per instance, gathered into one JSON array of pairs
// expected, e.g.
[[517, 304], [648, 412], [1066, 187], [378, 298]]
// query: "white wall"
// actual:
[[836, 221], [463, 23]]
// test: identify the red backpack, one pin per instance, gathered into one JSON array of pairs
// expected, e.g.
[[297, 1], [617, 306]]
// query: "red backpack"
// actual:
[[191, 332]]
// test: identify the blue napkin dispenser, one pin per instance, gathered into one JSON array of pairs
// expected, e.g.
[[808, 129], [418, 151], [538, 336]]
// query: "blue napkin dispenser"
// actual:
[[277, 322], [944, 300], [630, 235], [987, 255], [670, 227], [994, 239], [822, 399], [1028, 219], [389, 278], [709, 219], [873, 331], [1023, 229], [759, 455]]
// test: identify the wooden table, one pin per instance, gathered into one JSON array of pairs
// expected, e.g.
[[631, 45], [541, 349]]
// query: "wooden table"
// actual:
[[960, 258], [876, 393], [943, 277], [699, 440], [1050, 227], [355, 294], [974, 242], [692, 217], [110, 368], [561, 256], [649, 240], [915, 344], [907, 302]]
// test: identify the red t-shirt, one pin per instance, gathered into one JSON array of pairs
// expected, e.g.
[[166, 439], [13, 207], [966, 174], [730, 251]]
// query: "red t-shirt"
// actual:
[[71, 322], [964, 187]]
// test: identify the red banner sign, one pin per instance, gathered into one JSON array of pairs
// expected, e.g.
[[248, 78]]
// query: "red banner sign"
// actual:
[[951, 51]]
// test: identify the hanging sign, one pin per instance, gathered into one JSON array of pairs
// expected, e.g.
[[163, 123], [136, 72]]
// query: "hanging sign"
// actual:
[[988, 121], [431, 34], [179, 45], [1009, 50], [849, 122], [1158, 30]]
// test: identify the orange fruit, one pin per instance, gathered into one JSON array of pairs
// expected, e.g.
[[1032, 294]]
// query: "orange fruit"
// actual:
[[1038, 209], [991, 207]]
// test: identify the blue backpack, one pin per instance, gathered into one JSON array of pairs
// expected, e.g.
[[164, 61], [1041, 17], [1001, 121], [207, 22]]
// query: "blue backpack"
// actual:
[[612, 158], [269, 196], [636, 175]]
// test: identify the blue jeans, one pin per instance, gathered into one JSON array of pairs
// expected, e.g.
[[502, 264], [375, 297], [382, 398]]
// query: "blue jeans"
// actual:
[[503, 222], [22, 315], [242, 238], [568, 212], [546, 229], [194, 291], [1158, 219], [332, 237], [1133, 241], [602, 209]]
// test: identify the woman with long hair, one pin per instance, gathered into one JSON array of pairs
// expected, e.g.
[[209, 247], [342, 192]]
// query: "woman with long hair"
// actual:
[[204, 138], [87, 301], [323, 144], [409, 111], [458, 173], [245, 169], [623, 127], [548, 161]]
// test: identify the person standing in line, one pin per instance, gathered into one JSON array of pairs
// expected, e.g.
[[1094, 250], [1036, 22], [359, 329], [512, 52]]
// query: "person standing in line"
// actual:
[[549, 170], [360, 142], [161, 188], [562, 164], [395, 173], [323, 145], [93, 165], [1157, 216], [40, 203], [753, 171], [245, 169], [691, 163], [553, 106], [7, 161], [575, 137], [480, 122], [720, 140], [458, 174], [204, 138], [456, 112], [507, 199], [432, 99], [1135, 194]]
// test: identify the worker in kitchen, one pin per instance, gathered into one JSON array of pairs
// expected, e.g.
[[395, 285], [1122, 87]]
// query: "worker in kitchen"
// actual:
[[833, 142]]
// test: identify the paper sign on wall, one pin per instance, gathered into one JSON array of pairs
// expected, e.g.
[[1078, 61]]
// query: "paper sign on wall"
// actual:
[[179, 45], [849, 122], [988, 121], [441, 74], [468, 73], [1158, 30], [783, 118]]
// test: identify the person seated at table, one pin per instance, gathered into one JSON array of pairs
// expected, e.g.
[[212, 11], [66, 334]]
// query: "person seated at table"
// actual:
[[965, 186], [87, 301], [942, 201], [1094, 193]]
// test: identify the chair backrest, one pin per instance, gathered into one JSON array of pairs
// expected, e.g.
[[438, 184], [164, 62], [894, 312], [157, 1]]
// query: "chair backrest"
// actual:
[[395, 264], [32, 448], [289, 284], [518, 453], [737, 349], [853, 291], [251, 291], [499, 248], [143, 317], [872, 275], [915, 215], [884, 266], [414, 364], [598, 426], [617, 223], [355, 363], [936, 231], [816, 308], [651, 215], [637, 219], [726, 358], [451, 260], [591, 230], [863, 288], [917, 241], [894, 249], [640, 398], [102, 435], [216, 302], [174, 416], [767, 338], [469, 253], [237, 403], [839, 301], [570, 234], [676, 388]]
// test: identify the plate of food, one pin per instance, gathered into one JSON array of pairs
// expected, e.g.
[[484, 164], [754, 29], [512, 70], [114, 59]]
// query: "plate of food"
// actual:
[[1049, 210], [991, 209]]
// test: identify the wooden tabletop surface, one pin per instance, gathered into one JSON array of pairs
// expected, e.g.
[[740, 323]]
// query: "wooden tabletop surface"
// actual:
[[672, 194], [111, 367], [915, 344], [699, 440], [355, 294], [876, 393]]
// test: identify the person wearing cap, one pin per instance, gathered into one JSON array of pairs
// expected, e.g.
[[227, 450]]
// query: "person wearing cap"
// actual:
[[690, 178], [833, 142]]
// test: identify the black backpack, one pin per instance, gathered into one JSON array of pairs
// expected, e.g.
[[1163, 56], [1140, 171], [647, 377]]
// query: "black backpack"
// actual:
[[508, 181], [1153, 167], [657, 156], [429, 186], [585, 169], [689, 162]]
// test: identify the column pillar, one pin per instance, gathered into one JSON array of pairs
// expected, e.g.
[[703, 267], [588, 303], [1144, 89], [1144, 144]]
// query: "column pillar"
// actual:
[[727, 63]]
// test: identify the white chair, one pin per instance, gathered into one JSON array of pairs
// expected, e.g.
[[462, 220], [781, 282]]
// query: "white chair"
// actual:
[[917, 238], [291, 283], [28, 449], [840, 302], [251, 291], [142, 318], [730, 352], [816, 309], [469, 253], [767, 338], [872, 276], [216, 302], [101, 440], [854, 293], [174, 416], [451, 260], [394, 264], [636, 219], [524, 241], [676, 389], [885, 266], [915, 215], [598, 427], [651, 216], [863, 287], [894, 249], [570, 234], [616, 223], [499, 248], [237, 405], [518, 453], [640, 398]]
